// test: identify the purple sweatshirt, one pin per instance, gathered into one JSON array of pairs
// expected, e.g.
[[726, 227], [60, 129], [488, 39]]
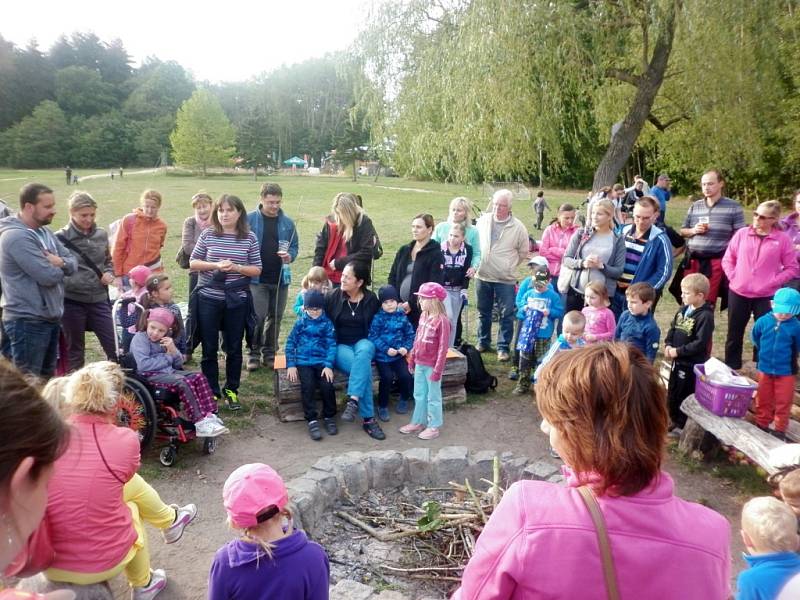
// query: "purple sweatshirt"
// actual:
[[242, 571]]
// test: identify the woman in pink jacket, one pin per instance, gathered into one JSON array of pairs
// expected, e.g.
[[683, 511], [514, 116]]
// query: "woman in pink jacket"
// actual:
[[541, 541], [97, 503], [759, 261], [556, 238]]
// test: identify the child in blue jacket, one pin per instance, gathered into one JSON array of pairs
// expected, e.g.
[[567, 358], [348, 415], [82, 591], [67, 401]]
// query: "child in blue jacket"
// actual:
[[310, 353], [636, 325], [393, 336], [539, 306]]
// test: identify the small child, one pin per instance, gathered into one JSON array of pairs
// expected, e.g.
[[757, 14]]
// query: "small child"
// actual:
[[600, 321], [138, 280], [769, 533], [572, 332], [315, 279], [636, 325], [539, 206], [159, 362], [159, 295], [270, 559], [310, 352], [776, 335], [533, 264], [790, 492], [455, 276], [688, 343], [393, 336], [427, 360], [541, 306]]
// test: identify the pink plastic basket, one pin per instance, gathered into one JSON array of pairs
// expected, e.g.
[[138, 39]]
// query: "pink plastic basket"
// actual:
[[722, 400]]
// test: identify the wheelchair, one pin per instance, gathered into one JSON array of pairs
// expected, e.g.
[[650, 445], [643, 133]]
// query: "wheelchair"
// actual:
[[151, 411]]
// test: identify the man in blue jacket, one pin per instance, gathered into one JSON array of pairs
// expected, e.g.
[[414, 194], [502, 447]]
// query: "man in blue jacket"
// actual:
[[277, 237], [648, 253]]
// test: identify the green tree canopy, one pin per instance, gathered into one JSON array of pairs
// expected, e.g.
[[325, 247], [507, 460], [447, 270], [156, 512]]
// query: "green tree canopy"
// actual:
[[203, 135]]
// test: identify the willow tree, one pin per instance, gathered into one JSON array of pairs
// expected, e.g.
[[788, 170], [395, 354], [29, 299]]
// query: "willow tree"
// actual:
[[203, 136]]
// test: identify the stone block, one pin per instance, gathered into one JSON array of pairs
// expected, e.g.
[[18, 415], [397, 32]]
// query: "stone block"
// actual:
[[326, 463], [309, 510], [352, 472], [327, 482], [302, 485], [512, 468], [418, 465], [557, 478], [480, 466], [450, 464], [540, 470], [386, 467], [392, 595], [39, 584], [348, 589]]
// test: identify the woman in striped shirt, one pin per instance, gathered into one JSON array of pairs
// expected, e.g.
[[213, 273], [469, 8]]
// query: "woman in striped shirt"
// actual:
[[227, 255]]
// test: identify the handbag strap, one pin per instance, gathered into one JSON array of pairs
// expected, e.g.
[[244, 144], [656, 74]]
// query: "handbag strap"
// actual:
[[609, 573], [89, 262], [105, 462]]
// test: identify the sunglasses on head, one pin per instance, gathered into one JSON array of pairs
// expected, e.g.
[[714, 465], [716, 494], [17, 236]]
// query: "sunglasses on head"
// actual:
[[761, 217]]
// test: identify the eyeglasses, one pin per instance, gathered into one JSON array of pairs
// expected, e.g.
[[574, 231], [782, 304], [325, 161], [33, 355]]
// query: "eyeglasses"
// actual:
[[761, 217]]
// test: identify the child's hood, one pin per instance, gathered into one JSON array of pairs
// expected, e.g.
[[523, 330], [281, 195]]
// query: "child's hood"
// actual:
[[241, 552]]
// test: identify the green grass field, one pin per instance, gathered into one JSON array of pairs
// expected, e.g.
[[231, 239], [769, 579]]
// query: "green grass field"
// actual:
[[390, 202]]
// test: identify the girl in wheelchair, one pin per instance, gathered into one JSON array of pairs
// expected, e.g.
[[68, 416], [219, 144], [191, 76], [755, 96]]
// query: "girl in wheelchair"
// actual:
[[160, 362], [159, 295]]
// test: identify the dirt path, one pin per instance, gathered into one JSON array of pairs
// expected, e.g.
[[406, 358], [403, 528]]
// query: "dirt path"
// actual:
[[503, 424]]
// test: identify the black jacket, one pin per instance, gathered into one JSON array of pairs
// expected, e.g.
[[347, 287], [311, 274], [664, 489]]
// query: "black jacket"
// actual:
[[428, 266], [335, 301], [360, 248], [691, 336]]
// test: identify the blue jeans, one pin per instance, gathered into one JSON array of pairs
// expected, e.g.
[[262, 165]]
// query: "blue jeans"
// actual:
[[504, 293], [397, 368], [32, 345], [427, 398], [356, 361], [214, 316]]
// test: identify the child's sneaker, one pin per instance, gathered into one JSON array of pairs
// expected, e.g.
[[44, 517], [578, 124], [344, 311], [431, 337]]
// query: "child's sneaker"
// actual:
[[330, 425], [231, 399], [429, 434], [214, 417], [158, 581], [383, 413], [350, 411], [522, 387], [411, 428], [401, 407], [373, 429], [513, 374], [314, 431], [209, 428], [183, 516]]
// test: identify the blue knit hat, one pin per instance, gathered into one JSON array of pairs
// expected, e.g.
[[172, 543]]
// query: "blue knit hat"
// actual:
[[388, 292], [313, 299], [786, 301]]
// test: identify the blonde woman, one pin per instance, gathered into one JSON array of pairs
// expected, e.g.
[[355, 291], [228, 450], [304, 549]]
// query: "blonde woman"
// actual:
[[347, 236], [460, 211]]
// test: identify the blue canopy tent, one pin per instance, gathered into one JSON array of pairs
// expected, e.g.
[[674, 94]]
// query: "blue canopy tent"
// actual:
[[295, 161]]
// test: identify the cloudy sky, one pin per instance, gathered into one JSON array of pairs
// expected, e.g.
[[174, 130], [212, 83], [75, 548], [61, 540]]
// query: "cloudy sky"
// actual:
[[232, 41]]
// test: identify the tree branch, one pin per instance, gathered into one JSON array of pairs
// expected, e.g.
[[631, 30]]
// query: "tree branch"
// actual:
[[663, 126], [624, 75]]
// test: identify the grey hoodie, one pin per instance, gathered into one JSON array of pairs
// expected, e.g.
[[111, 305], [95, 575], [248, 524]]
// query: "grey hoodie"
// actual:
[[32, 287]]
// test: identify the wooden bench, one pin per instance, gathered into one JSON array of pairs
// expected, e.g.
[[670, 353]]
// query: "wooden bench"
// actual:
[[287, 394]]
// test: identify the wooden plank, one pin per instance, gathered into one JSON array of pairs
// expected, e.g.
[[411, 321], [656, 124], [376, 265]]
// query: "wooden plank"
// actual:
[[738, 433]]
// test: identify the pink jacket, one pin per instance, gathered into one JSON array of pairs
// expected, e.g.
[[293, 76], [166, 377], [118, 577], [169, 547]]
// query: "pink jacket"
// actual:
[[600, 322], [91, 526], [430, 344], [758, 266], [554, 243], [541, 543]]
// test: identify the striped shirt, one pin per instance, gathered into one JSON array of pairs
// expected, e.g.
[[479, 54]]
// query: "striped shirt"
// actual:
[[212, 247], [634, 247], [724, 219]]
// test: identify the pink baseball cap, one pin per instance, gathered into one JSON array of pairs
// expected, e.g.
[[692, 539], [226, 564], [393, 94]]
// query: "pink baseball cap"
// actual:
[[251, 489], [139, 274], [432, 290], [161, 315]]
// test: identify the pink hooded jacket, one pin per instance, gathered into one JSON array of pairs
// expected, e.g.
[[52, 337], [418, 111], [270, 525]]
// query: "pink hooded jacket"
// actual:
[[541, 543], [554, 243], [758, 266], [430, 344]]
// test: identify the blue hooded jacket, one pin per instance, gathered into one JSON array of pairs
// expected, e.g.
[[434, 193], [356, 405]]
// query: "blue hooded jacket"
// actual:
[[311, 342], [286, 231], [390, 330], [778, 343], [655, 265], [641, 331], [554, 304]]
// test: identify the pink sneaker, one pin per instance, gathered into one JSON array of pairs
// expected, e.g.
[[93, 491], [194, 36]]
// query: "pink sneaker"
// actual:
[[429, 433], [411, 428]]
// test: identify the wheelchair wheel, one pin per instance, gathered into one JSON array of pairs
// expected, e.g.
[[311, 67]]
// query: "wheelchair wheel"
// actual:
[[137, 410], [209, 445], [167, 456]]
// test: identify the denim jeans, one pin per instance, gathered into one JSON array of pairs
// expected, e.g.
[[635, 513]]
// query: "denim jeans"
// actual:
[[214, 316], [489, 292], [32, 345], [388, 371], [427, 398], [269, 301], [356, 361]]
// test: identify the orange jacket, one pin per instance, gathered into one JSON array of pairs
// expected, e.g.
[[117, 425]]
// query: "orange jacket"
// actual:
[[140, 244]]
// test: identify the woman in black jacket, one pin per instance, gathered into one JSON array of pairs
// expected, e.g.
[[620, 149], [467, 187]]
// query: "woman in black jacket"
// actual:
[[348, 235], [416, 263]]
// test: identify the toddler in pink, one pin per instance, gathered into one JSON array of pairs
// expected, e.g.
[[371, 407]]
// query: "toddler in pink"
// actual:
[[600, 321]]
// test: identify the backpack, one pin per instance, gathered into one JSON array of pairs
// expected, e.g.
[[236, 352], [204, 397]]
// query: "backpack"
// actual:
[[479, 380]]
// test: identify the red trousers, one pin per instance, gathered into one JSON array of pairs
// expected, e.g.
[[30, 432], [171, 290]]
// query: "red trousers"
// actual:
[[713, 281], [774, 400]]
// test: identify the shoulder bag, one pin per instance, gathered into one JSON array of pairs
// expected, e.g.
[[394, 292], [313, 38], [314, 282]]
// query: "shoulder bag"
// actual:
[[567, 276], [609, 572]]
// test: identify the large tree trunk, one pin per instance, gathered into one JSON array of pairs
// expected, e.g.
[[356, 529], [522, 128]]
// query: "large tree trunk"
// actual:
[[647, 86]]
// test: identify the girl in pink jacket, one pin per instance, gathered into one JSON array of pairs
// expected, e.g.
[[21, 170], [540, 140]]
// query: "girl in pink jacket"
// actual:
[[541, 541], [556, 238], [426, 361]]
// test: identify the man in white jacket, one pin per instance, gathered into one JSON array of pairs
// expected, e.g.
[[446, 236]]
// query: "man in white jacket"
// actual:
[[504, 246]]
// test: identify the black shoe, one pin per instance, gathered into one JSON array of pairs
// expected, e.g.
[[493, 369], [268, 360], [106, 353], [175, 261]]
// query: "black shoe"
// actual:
[[374, 430], [314, 430], [330, 426], [350, 411], [781, 435]]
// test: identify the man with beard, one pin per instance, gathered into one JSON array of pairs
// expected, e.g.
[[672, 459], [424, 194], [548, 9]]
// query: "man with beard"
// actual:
[[33, 265]]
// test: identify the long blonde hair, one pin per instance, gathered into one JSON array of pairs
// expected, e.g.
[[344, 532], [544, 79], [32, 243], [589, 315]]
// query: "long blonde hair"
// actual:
[[436, 307], [347, 213]]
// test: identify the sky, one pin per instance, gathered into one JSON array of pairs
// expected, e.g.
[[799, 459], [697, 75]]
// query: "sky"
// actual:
[[216, 41]]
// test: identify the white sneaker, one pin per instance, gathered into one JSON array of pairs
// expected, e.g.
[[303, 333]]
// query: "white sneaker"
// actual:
[[215, 418], [158, 581], [183, 516], [209, 428]]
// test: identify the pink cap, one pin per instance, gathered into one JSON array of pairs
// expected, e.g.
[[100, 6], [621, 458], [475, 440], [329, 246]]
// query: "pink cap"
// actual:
[[432, 290], [161, 315], [139, 274], [251, 489]]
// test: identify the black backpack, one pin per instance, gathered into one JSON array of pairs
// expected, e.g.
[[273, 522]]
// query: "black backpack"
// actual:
[[479, 380]]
